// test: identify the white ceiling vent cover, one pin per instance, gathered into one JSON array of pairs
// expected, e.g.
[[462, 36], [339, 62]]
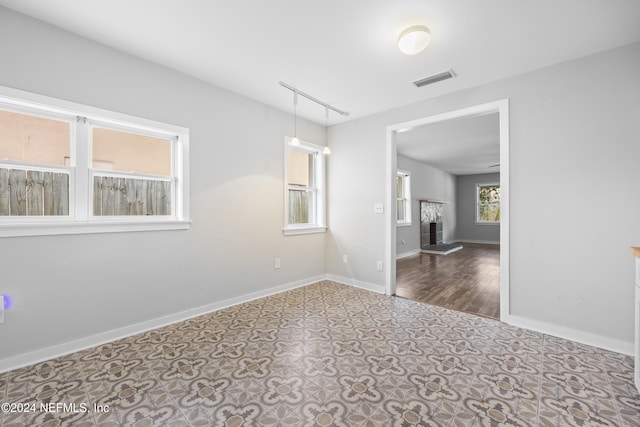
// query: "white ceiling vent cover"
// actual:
[[435, 78]]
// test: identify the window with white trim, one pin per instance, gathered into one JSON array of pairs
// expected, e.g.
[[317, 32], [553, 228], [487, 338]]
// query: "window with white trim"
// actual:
[[66, 168], [304, 179], [488, 203], [403, 198]]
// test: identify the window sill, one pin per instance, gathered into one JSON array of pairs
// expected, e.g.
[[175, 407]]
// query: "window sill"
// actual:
[[487, 223], [303, 230], [403, 224], [52, 229]]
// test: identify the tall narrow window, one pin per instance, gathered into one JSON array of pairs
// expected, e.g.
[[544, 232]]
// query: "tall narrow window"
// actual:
[[403, 201], [488, 203], [304, 188]]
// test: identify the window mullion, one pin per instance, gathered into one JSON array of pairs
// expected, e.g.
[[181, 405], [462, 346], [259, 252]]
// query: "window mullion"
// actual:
[[80, 158]]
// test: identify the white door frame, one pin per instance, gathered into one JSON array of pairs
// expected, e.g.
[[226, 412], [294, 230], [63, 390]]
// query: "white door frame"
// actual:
[[502, 108]]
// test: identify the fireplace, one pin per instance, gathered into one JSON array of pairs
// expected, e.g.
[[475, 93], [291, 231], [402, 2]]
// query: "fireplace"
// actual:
[[435, 233], [431, 229], [431, 225]]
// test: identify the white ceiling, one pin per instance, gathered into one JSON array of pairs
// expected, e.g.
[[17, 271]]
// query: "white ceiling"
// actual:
[[344, 52], [463, 146]]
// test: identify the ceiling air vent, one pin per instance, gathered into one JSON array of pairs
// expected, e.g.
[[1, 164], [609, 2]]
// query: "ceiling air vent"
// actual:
[[435, 78]]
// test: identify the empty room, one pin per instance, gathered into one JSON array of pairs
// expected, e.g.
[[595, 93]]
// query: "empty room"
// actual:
[[208, 210]]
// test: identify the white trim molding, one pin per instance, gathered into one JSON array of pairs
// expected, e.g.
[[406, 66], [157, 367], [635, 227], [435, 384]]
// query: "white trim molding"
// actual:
[[356, 283], [576, 335], [407, 254], [502, 108], [483, 242]]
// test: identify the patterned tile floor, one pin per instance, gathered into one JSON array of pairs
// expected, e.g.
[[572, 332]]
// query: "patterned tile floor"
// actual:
[[329, 355]]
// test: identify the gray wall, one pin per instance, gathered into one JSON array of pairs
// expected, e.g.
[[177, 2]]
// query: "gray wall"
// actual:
[[574, 133], [69, 287], [574, 146], [468, 230], [427, 182]]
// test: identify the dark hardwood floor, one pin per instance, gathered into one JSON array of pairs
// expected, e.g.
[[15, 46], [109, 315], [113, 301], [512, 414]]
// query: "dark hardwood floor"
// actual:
[[466, 280]]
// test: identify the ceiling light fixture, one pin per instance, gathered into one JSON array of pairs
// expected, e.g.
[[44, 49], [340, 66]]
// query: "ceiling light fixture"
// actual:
[[326, 150], [295, 140], [414, 39]]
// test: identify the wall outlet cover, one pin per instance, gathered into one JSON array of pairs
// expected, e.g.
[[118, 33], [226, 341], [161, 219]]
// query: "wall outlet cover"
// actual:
[[378, 208]]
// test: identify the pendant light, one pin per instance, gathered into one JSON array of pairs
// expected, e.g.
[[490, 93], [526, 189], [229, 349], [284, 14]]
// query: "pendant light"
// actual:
[[326, 131], [295, 140]]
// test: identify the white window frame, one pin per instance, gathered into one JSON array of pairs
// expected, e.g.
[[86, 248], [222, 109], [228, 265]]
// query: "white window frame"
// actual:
[[319, 211], [406, 198], [81, 219], [477, 202]]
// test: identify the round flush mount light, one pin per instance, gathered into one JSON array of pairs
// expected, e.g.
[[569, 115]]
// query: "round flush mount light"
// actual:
[[414, 39]]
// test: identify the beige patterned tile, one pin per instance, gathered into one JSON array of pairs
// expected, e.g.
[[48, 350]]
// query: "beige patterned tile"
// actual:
[[56, 401]]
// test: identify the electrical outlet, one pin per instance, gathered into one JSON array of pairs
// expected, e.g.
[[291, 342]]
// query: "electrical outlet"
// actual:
[[345, 259], [276, 264], [1, 309], [378, 208], [379, 265]]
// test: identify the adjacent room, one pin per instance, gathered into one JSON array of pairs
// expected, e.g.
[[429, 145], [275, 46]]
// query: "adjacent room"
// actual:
[[448, 214], [285, 213]]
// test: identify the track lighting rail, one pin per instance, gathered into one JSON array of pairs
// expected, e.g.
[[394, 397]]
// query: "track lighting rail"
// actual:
[[314, 99]]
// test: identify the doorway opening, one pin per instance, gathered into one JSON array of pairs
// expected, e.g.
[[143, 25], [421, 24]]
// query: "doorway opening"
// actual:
[[499, 110]]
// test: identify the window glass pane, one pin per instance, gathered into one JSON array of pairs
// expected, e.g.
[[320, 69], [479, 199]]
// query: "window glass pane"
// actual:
[[31, 139], [490, 212], [489, 194], [129, 152], [400, 190], [33, 193], [400, 210], [113, 196], [300, 168], [300, 206]]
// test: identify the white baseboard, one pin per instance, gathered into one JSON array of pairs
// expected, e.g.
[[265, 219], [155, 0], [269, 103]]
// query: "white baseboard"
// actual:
[[356, 283], [47, 353], [583, 337], [484, 242], [407, 254], [26, 359]]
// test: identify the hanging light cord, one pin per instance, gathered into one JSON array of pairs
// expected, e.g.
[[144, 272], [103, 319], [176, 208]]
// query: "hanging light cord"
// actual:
[[295, 114], [326, 150], [326, 125]]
